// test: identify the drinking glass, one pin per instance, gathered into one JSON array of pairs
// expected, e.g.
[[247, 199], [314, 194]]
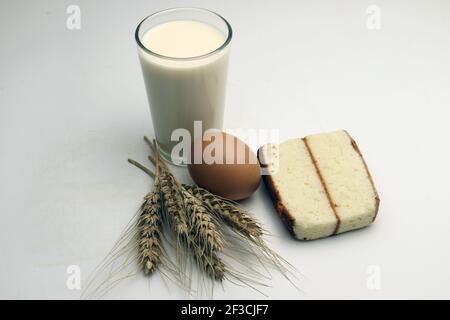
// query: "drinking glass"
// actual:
[[183, 90]]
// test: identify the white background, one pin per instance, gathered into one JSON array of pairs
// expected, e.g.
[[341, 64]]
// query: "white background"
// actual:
[[73, 108]]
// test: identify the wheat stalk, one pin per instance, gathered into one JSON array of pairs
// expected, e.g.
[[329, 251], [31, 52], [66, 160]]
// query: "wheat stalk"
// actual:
[[203, 227], [149, 230], [236, 217], [149, 225], [173, 204], [210, 263], [171, 191]]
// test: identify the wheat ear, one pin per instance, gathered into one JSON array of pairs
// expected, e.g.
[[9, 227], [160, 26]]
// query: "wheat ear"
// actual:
[[171, 192], [234, 216], [149, 225], [149, 230], [203, 226]]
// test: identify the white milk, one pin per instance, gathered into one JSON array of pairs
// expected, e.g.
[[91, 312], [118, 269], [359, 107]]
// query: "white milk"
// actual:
[[182, 91]]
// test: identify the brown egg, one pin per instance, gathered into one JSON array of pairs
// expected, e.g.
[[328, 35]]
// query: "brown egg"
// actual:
[[225, 166]]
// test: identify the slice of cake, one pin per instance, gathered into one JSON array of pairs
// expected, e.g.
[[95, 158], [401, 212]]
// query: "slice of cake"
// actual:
[[320, 184]]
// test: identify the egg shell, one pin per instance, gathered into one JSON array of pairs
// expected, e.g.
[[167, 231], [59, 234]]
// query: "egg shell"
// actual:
[[222, 174]]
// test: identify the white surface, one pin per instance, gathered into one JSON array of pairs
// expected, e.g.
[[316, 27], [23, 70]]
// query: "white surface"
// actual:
[[73, 108]]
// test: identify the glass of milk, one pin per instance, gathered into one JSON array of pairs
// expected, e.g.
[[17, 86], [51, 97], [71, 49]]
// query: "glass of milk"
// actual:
[[184, 59]]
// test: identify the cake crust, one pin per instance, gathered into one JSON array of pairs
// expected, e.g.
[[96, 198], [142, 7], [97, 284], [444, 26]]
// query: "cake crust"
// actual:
[[377, 197], [287, 218]]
